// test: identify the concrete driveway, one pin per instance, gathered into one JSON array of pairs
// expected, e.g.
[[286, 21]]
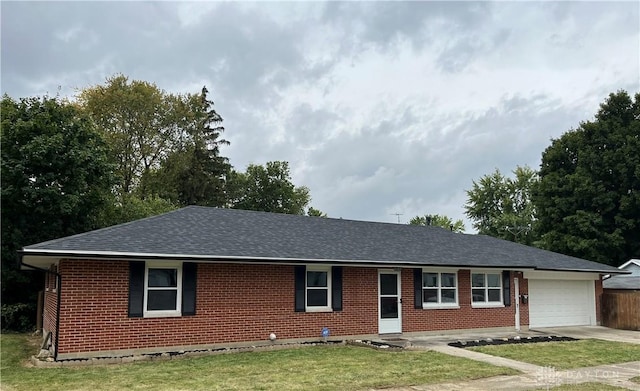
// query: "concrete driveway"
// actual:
[[596, 332], [579, 332]]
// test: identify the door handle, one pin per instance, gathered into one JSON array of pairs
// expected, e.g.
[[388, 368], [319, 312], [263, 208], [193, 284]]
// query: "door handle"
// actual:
[[401, 300]]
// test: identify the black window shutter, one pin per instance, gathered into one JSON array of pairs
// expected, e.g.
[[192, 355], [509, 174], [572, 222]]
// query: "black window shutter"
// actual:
[[417, 288], [300, 278], [136, 289], [506, 287], [189, 270], [336, 288]]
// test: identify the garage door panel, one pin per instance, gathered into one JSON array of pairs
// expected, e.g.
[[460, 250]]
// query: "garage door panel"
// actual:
[[561, 303]]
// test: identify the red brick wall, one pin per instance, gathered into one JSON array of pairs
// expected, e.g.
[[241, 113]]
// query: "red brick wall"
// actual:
[[465, 317], [599, 292], [236, 303], [50, 304], [524, 308]]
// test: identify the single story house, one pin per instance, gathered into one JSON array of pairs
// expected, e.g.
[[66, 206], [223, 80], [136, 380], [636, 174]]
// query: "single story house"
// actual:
[[624, 283], [202, 277]]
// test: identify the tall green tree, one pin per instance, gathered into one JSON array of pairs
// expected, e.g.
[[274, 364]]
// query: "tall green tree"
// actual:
[[267, 188], [436, 220], [56, 179], [140, 123], [502, 207], [194, 173], [588, 198]]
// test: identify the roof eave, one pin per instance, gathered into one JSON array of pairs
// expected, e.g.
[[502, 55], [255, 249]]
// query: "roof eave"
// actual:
[[601, 271], [27, 256]]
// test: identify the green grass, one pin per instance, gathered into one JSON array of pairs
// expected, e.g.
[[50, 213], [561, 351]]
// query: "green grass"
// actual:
[[308, 368], [586, 387], [567, 355], [635, 379]]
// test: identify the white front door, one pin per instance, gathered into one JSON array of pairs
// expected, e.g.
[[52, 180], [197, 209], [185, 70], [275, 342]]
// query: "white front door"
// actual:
[[389, 308]]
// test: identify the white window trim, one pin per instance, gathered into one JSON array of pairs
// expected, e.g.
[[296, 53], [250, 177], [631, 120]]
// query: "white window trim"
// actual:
[[163, 313], [441, 305], [328, 307], [486, 304]]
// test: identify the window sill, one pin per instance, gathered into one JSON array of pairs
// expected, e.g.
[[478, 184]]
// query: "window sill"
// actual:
[[487, 305], [318, 309], [440, 307], [162, 314]]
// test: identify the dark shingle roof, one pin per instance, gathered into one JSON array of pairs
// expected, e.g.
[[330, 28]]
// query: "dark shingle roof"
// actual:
[[622, 282], [201, 232]]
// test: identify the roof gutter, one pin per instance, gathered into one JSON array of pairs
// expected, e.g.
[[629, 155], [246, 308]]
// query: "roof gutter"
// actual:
[[617, 271], [293, 261], [58, 294]]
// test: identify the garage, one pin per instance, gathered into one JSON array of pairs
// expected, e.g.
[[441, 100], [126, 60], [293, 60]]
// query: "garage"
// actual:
[[561, 302]]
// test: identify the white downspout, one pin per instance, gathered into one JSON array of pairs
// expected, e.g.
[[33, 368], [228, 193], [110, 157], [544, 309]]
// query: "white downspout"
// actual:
[[516, 289]]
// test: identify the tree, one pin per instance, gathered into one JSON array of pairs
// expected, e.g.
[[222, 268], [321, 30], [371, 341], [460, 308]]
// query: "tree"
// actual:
[[138, 120], [194, 173], [315, 212], [267, 188], [164, 145], [56, 178], [133, 208], [502, 207], [588, 198], [438, 221]]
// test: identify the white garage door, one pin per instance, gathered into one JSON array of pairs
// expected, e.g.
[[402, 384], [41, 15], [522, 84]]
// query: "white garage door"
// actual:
[[561, 303]]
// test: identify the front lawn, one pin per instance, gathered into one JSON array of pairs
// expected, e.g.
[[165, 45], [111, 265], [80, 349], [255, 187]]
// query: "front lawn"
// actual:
[[308, 368], [567, 355]]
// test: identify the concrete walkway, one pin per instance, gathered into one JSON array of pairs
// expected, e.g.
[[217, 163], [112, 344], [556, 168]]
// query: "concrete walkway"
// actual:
[[494, 360], [534, 376], [546, 378]]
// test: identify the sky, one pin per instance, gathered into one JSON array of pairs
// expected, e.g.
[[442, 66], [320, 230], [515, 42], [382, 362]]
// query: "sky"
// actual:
[[380, 108]]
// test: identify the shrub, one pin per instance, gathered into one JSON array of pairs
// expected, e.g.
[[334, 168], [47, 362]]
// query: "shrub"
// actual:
[[18, 317]]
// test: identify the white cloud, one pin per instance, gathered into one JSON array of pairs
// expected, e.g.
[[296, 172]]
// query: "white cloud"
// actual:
[[380, 108], [194, 13]]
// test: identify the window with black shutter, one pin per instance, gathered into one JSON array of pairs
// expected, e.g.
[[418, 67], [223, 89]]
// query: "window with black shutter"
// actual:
[[159, 289], [318, 288]]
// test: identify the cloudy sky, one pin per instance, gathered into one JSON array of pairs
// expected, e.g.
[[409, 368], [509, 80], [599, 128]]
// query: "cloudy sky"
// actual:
[[380, 108]]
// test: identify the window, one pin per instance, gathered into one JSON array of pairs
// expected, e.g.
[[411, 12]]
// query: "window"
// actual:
[[51, 279], [439, 289], [318, 289], [162, 289], [486, 288]]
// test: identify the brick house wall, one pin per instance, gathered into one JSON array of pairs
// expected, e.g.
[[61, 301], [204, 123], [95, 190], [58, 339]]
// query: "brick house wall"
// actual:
[[464, 317], [50, 303], [524, 308], [234, 303], [240, 303]]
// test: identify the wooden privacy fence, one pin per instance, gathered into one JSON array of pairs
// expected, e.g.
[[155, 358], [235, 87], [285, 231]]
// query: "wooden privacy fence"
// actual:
[[621, 310]]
